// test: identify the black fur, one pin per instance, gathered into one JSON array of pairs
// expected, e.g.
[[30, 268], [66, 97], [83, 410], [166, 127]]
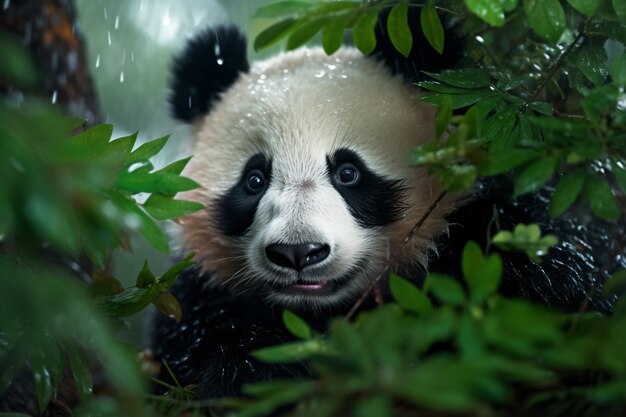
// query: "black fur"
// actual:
[[375, 200], [422, 57], [198, 78], [236, 208]]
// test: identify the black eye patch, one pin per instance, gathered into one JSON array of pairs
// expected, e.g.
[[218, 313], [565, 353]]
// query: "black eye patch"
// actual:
[[237, 207], [373, 199]]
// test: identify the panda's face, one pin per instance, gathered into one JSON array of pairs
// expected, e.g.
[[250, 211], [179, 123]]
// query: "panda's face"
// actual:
[[305, 177]]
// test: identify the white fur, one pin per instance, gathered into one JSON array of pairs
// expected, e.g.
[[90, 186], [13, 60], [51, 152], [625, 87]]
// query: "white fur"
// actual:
[[297, 108]]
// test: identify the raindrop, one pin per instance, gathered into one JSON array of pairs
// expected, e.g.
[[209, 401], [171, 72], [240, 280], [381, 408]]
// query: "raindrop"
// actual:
[[320, 74], [98, 61], [16, 164], [331, 66], [217, 49], [132, 221], [480, 39], [54, 97], [6, 4], [121, 76], [141, 5], [123, 57], [105, 13], [109, 36], [166, 19], [220, 61], [117, 22], [189, 102], [285, 71], [132, 56], [72, 61]]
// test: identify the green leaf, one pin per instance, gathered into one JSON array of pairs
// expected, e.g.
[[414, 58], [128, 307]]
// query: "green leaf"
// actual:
[[43, 379], [168, 305], [398, 28], [443, 116], [408, 296], [467, 78], [305, 31], [130, 301], [176, 167], [145, 277], [503, 159], [490, 11], [445, 289], [546, 17], [169, 277], [617, 69], [273, 34], [616, 284], [164, 208], [81, 374], [373, 406], [332, 34], [619, 171], [483, 274], [147, 150], [156, 182], [586, 7], [363, 32], [566, 192], [533, 176], [296, 325], [458, 177], [458, 100], [91, 143], [282, 8], [591, 58], [600, 197], [118, 150], [620, 10], [290, 352]]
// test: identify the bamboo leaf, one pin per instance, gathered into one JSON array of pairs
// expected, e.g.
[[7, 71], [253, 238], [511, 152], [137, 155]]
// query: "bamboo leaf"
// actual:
[[546, 17], [332, 34], [363, 32], [296, 325], [273, 34], [566, 192], [490, 11], [282, 8], [432, 27], [408, 296]]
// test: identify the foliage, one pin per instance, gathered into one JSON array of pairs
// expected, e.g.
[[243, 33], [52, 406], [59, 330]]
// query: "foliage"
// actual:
[[67, 200], [469, 351]]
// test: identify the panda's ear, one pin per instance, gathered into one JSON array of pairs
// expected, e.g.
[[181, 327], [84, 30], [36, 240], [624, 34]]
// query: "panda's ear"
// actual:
[[208, 65], [423, 57]]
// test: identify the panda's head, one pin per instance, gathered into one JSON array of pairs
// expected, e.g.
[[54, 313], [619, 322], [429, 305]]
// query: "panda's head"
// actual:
[[302, 160]]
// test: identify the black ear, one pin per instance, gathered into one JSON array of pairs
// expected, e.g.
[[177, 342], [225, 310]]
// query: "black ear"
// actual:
[[208, 65], [422, 57]]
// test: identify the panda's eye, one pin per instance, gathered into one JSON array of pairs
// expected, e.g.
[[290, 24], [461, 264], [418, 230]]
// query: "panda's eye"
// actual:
[[255, 181], [348, 174]]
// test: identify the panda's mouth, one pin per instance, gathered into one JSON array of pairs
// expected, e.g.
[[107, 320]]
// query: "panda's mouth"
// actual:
[[321, 286]]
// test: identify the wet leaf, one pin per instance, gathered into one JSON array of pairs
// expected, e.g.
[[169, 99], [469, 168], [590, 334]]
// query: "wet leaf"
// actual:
[[502, 160], [156, 182], [169, 277], [164, 208], [296, 325], [169, 305], [619, 170], [176, 167], [130, 301], [273, 34], [363, 32], [600, 197], [546, 17], [533, 176], [566, 192], [586, 7], [458, 177], [301, 33], [147, 150], [467, 78], [408, 296], [620, 10], [81, 374], [618, 69], [490, 11], [332, 34], [103, 285], [398, 28], [145, 277]]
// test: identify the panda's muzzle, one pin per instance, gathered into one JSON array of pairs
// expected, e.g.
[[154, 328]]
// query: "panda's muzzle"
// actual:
[[297, 256]]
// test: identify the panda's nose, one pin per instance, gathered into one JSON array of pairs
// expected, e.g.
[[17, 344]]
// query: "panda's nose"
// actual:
[[297, 256]]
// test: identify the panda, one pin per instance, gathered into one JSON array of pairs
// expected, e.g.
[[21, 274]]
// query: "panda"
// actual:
[[302, 162]]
